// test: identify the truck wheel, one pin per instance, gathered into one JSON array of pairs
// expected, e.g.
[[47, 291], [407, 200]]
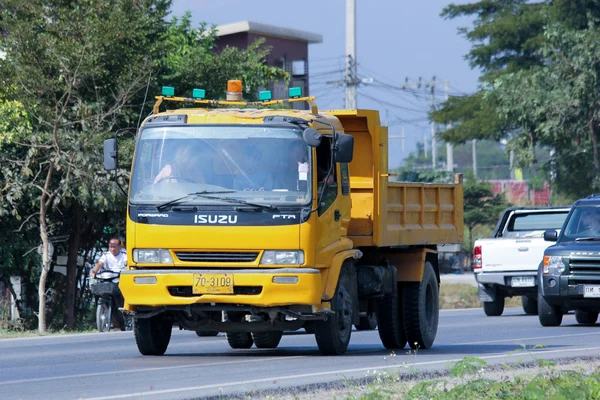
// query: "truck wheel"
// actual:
[[309, 327], [367, 323], [421, 310], [267, 340], [390, 321], [202, 333], [586, 317], [152, 335], [530, 305], [333, 334], [494, 308], [548, 314], [239, 340]]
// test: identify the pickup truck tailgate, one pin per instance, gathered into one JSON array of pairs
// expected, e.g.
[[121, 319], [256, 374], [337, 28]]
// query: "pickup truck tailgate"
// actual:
[[522, 254]]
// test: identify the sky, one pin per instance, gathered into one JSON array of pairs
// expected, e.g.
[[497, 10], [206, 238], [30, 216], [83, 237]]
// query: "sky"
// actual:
[[396, 40]]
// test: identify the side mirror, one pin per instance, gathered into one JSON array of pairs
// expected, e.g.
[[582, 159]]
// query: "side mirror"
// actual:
[[550, 236], [110, 154], [312, 137], [344, 148]]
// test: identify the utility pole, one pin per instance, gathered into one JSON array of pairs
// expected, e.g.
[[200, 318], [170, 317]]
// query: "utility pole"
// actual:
[[433, 138], [449, 147], [351, 76], [474, 144]]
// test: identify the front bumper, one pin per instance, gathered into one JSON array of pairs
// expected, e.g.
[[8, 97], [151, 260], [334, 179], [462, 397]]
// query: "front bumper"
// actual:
[[490, 282], [251, 287], [567, 291]]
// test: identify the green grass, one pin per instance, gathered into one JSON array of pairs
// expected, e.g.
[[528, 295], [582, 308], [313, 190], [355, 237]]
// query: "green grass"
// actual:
[[461, 295]]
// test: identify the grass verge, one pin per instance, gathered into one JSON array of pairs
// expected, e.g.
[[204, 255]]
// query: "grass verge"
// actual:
[[462, 295]]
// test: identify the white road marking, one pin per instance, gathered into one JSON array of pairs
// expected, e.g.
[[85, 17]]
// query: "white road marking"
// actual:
[[516, 340], [52, 378], [325, 373]]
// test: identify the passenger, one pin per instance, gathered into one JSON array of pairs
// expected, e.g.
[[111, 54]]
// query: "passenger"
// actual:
[[186, 166], [291, 176], [254, 177], [592, 221]]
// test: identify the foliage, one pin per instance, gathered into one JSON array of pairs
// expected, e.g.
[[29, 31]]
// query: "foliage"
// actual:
[[481, 206], [558, 105], [424, 175]]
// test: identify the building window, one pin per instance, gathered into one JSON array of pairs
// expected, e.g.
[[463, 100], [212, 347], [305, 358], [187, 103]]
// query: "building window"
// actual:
[[298, 67]]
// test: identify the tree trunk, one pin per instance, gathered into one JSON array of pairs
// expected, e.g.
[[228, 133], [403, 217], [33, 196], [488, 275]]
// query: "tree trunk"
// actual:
[[11, 289], [45, 268], [594, 137], [72, 253]]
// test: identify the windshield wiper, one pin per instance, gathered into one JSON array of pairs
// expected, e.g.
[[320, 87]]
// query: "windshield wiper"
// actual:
[[204, 194], [181, 199], [588, 239]]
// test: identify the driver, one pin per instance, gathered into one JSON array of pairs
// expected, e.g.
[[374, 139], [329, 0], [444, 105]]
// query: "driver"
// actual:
[[186, 166], [114, 260], [592, 220]]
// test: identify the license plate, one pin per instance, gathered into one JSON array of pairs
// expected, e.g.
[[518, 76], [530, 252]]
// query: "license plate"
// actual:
[[212, 283], [522, 281], [591, 291]]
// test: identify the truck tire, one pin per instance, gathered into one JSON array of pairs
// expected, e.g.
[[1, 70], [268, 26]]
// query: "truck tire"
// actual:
[[494, 308], [390, 321], [586, 317], [548, 314], [152, 335], [267, 340], [530, 305], [421, 310], [333, 334], [367, 323], [202, 333], [239, 340]]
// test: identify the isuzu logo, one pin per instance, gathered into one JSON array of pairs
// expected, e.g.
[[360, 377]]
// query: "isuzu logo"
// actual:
[[215, 219]]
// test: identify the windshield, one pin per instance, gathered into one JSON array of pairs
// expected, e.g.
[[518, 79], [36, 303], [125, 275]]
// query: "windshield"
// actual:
[[254, 163], [584, 223]]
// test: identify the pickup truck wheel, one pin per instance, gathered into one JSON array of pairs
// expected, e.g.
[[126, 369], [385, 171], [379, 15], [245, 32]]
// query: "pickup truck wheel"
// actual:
[[367, 323], [530, 305], [548, 314], [267, 340], [422, 310], [494, 308], [586, 317], [202, 333], [152, 335], [333, 335], [390, 321]]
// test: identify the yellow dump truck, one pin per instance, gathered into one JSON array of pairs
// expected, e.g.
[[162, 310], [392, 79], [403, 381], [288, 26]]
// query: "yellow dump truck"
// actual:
[[253, 221]]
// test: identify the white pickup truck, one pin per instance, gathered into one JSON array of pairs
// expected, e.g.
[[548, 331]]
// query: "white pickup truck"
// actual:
[[506, 264]]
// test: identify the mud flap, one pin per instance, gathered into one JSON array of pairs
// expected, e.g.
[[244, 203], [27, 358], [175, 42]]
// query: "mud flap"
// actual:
[[486, 293]]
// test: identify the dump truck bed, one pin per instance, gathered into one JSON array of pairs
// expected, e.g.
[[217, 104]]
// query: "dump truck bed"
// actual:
[[387, 213]]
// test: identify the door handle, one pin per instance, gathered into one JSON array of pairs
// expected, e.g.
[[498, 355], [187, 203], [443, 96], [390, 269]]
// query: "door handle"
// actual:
[[337, 215]]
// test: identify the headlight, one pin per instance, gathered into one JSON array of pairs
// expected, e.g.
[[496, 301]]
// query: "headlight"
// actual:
[[553, 265], [152, 256], [282, 257]]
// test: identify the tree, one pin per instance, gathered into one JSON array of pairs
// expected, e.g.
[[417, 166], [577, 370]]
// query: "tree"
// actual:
[[558, 105], [481, 206], [75, 67]]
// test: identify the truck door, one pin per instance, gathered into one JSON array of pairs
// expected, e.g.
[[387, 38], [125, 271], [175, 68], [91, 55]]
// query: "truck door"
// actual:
[[334, 210]]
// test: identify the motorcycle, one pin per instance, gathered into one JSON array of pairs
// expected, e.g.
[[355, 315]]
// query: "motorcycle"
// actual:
[[105, 287]]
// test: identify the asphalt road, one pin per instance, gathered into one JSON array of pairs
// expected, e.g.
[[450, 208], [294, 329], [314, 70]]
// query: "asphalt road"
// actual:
[[108, 366]]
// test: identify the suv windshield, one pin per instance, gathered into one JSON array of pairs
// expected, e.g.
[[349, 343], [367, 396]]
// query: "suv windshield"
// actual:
[[584, 223], [268, 165]]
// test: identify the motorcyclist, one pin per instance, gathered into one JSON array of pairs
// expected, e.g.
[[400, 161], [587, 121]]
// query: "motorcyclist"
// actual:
[[114, 260]]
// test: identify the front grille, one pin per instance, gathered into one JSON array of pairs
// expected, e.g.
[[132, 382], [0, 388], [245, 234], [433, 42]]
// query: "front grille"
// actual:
[[186, 291], [215, 257], [584, 265]]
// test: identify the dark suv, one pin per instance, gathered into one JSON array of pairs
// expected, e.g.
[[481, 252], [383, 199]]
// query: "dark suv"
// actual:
[[569, 274]]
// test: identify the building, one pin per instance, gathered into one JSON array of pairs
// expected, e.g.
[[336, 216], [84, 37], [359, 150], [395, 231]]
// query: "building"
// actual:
[[289, 50]]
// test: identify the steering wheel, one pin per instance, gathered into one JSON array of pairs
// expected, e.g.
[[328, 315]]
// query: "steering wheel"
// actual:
[[164, 178]]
